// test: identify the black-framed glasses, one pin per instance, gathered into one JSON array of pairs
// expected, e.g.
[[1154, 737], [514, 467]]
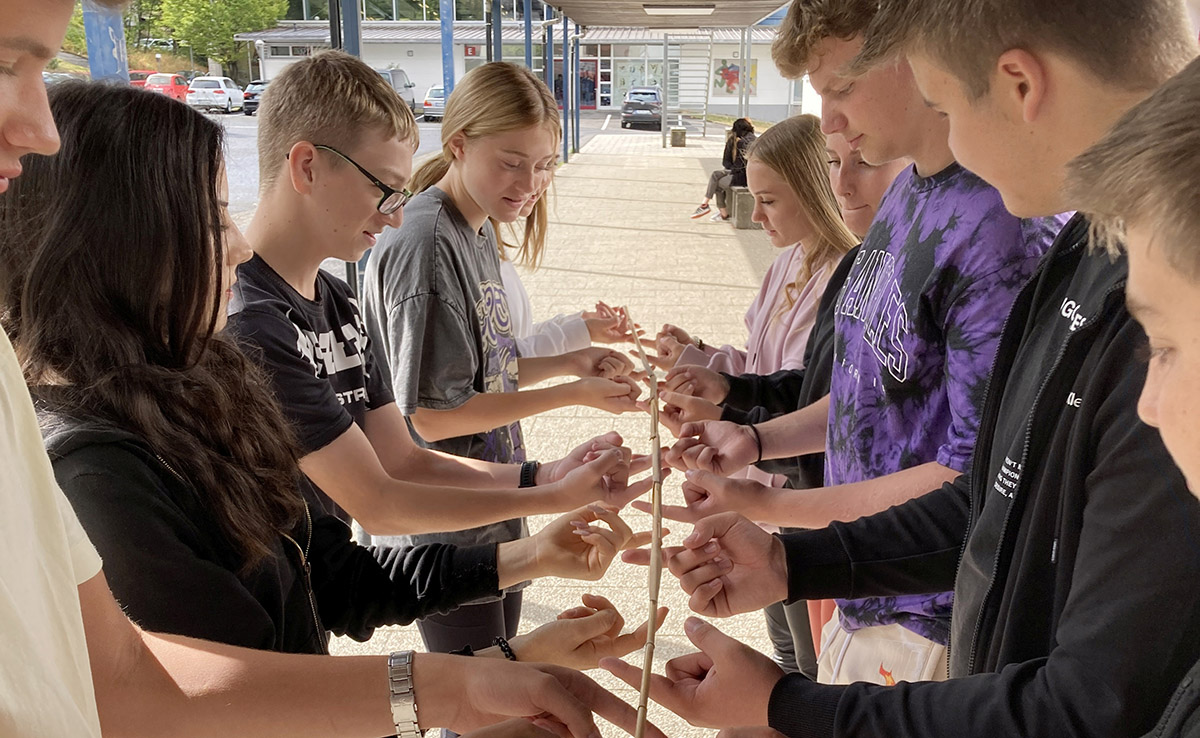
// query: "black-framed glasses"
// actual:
[[391, 201]]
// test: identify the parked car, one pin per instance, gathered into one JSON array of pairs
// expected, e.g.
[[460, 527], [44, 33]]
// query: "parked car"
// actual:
[[399, 81], [643, 105], [251, 95], [215, 93], [137, 77], [434, 106], [165, 44], [171, 85]]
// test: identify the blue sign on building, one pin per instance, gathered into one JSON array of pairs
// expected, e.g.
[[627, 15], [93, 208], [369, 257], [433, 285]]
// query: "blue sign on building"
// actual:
[[105, 32]]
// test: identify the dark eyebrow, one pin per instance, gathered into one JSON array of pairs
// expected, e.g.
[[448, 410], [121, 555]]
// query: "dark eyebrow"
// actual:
[[28, 45]]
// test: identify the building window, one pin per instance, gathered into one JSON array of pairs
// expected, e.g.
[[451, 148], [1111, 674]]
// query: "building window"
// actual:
[[281, 51], [301, 50]]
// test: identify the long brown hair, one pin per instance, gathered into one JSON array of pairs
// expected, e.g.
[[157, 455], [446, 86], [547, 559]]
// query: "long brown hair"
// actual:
[[795, 150], [110, 253]]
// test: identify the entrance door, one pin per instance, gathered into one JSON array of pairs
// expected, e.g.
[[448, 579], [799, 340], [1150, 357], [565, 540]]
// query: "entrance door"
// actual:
[[588, 83]]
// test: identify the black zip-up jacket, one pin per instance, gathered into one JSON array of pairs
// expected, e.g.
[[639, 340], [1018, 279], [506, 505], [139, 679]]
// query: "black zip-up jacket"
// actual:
[[1071, 543], [1182, 716], [756, 398], [173, 570], [734, 158]]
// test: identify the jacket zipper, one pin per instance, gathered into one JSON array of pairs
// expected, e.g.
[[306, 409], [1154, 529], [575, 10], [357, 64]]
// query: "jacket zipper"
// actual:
[[1021, 484], [312, 603], [303, 550]]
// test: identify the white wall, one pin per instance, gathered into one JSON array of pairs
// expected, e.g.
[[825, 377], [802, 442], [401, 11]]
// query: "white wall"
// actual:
[[424, 67]]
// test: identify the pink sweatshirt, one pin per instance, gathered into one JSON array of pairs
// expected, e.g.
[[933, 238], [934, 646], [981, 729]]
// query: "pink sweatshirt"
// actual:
[[777, 340]]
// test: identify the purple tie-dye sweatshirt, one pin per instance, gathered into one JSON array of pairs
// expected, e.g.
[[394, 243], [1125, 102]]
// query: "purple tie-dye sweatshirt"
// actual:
[[917, 323]]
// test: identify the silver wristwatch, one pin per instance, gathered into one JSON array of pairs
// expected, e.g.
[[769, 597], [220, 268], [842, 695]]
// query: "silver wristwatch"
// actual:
[[404, 702]]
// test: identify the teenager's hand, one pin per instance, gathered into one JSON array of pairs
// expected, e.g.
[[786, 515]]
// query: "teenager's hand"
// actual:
[[728, 565], [717, 446], [607, 324], [667, 352], [581, 636], [617, 395], [554, 471], [554, 698], [725, 683], [595, 361], [679, 409], [698, 381], [707, 494], [603, 475], [675, 332], [572, 547], [514, 728]]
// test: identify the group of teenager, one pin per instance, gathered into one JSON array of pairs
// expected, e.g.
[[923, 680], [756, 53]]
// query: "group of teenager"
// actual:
[[952, 463]]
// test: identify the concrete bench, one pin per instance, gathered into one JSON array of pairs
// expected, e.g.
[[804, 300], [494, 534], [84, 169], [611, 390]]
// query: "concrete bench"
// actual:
[[742, 208]]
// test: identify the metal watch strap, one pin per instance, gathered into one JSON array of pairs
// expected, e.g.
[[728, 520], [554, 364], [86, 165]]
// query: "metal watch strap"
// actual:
[[404, 702]]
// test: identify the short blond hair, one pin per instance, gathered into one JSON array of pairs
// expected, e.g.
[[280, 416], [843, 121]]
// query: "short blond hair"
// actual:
[[332, 99], [1146, 171], [809, 22], [1131, 44]]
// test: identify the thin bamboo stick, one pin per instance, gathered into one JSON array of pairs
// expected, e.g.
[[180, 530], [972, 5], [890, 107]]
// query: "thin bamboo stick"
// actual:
[[655, 573]]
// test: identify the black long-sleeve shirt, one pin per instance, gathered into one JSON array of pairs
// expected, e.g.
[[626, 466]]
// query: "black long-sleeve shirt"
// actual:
[[173, 571]]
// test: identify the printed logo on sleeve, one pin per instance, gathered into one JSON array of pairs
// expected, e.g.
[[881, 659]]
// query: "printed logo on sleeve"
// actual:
[[1070, 311], [1008, 478]]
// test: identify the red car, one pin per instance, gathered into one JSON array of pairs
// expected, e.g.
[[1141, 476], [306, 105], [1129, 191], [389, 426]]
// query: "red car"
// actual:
[[171, 85], [137, 77]]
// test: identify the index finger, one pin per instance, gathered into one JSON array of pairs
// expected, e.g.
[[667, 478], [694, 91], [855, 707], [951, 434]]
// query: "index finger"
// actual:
[[601, 701]]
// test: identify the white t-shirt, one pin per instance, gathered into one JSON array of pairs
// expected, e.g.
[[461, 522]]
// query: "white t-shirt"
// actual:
[[45, 681], [559, 335]]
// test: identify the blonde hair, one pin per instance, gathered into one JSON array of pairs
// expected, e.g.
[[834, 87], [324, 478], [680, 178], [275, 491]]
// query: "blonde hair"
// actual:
[[809, 22], [533, 242], [1131, 45], [495, 98], [330, 98], [795, 150], [1146, 171]]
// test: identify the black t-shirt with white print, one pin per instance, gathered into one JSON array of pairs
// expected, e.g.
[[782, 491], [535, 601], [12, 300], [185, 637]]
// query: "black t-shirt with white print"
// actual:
[[317, 353]]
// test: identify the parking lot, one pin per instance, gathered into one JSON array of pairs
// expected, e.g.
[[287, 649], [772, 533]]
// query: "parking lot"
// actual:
[[241, 132]]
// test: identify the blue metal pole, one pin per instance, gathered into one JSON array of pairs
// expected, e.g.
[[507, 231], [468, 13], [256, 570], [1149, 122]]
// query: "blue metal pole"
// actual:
[[576, 83], [566, 82], [104, 30], [497, 31], [446, 13], [548, 50], [351, 28], [529, 34]]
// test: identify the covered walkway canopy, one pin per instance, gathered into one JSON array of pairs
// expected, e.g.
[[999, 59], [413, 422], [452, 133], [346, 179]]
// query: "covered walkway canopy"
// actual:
[[673, 14]]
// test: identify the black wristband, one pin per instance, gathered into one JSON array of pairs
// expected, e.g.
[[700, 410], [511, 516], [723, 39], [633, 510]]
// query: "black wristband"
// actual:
[[505, 648], [529, 471], [758, 440]]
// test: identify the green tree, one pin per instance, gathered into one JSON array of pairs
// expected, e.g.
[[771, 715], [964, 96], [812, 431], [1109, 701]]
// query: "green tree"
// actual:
[[208, 26]]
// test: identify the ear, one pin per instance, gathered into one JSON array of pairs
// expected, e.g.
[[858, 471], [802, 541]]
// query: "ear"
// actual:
[[300, 160], [1021, 79], [458, 145]]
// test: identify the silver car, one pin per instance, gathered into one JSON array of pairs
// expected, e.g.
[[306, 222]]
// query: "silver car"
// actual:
[[435, 103], [215, 93]]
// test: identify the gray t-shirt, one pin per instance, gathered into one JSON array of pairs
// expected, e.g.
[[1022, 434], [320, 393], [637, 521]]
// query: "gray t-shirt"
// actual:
[[435, 308]]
